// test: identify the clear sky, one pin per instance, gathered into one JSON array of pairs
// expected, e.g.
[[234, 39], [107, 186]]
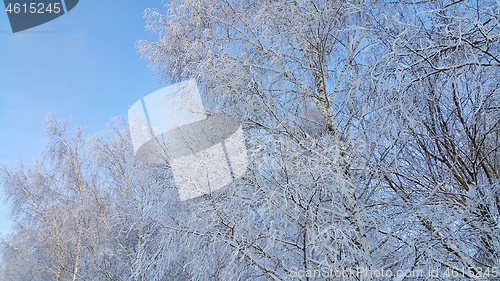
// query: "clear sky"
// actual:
[[82, 65]]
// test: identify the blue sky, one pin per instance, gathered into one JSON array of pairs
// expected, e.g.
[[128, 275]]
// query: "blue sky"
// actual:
[[81, 65]]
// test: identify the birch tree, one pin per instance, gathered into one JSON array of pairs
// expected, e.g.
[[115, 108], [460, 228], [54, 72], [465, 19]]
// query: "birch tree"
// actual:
[[61, 212], [443, 66], [290, 70], [333, 92], [372, 130]]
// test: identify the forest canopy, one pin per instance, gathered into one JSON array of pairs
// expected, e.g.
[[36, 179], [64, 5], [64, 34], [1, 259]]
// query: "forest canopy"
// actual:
[[373, 138]]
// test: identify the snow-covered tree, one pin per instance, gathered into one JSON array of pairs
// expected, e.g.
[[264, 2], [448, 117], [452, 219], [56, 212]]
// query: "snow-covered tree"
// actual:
[[372, 130], [440, 70], [56, 233], [349, 102]]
